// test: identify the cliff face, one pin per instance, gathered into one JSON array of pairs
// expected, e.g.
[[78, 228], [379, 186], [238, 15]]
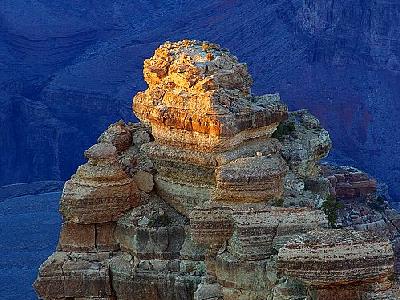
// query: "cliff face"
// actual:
[[340, 59], [218, 194]]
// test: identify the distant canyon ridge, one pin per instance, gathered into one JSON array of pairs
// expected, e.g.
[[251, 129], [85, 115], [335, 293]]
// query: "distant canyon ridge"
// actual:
[[67, 71]]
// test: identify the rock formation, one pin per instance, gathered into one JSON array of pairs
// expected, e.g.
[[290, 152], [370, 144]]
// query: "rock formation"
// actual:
[[206, 123], [349, 183], [217, 194]]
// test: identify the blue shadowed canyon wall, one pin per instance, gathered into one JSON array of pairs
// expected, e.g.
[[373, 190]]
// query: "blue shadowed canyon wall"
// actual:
[[68, 69]]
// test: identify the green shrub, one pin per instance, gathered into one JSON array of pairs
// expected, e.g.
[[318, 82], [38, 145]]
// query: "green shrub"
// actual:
[[278, 202], [378, 203], [330, 208], [159, 220], [284, 128]]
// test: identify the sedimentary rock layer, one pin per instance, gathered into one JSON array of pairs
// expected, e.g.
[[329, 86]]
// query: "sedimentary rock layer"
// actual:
[[260, 232], [250, 179], [152, 231], [211, 224], [338, 257]]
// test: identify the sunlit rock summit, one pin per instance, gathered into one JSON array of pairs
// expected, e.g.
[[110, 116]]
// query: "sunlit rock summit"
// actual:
[[218, 194], [206, 123]]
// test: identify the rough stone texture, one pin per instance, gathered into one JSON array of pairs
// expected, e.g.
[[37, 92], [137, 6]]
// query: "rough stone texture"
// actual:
[[144, 181], [207, 291], [152, 231], [199, 178], [216, 195], [260, 232], [118, 134], [151, 279], [75, 275], [309, 192], [88, 237], [365, 208], [304, 142], [211, 224], [77, 237], [391, 294], [105, 237], [134, 161], [251, 179]]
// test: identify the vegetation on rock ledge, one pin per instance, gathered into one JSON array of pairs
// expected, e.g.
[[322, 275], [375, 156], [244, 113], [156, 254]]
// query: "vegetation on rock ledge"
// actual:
[[330, 208], [283, 129]]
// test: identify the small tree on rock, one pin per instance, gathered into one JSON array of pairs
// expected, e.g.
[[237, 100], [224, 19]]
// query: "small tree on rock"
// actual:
[[330, 208]]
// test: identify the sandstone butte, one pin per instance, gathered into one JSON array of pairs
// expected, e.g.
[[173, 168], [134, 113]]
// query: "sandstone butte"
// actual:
[[218, 194]]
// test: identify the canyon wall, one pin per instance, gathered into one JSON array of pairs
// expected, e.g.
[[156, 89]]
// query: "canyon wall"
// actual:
[[66, 71]]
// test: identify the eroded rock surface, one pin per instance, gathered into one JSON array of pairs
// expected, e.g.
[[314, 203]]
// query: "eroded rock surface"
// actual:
[[217, 194]]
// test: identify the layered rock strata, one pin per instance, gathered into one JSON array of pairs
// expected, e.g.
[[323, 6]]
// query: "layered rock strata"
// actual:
[[363, 206], [349, 182], [334, 261], [75, 275], [207, 124], [100, 191], [217, 194]]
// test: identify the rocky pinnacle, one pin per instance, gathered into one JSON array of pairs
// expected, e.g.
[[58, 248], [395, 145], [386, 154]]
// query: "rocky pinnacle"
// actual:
[[218, 194]]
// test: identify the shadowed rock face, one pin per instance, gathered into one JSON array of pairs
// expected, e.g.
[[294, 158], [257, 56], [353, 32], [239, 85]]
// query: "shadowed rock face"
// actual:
[[69, 71], [217, 194], [349, 183], [100, 191]]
